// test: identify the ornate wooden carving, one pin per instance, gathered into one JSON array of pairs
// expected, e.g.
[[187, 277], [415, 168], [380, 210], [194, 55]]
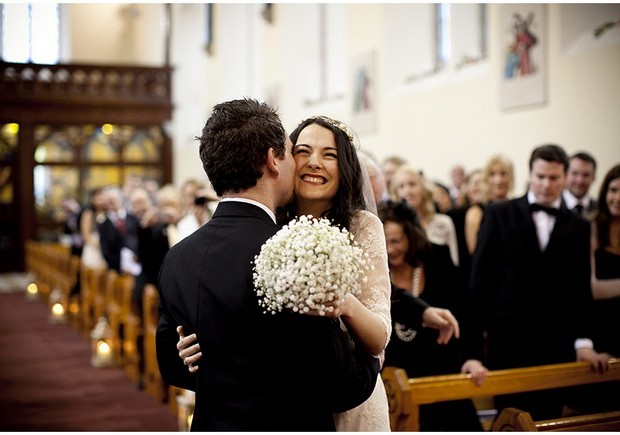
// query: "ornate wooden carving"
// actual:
[[71, 94]]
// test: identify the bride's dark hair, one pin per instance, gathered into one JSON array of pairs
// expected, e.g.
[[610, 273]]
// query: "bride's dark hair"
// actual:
[[349, 198]]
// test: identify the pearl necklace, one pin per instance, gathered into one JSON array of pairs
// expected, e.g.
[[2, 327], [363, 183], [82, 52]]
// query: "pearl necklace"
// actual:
[[418, 281]]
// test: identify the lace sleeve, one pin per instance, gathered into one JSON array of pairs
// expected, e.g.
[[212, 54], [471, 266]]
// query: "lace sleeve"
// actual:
[[367, 230]]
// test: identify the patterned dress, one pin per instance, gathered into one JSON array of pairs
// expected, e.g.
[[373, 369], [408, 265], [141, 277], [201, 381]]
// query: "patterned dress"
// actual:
[[373, 414]]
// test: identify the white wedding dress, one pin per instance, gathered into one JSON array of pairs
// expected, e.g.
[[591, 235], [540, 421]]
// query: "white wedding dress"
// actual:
[[372, 415]]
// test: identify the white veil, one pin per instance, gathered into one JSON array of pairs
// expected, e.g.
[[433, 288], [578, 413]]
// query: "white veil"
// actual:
[[369, 194]]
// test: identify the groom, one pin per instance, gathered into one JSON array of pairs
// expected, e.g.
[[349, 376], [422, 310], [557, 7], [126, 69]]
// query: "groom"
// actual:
[[259, 372]]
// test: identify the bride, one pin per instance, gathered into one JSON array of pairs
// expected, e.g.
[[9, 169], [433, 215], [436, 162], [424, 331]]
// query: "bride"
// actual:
[[330, 182]]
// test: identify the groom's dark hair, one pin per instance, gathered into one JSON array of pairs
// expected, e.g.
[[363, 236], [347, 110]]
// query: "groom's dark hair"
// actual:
[[235, 141]]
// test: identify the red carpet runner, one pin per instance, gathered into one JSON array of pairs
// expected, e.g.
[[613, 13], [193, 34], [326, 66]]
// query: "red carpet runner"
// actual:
[[48, 384]]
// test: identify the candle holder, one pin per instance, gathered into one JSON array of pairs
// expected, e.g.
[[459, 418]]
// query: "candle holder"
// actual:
[[32, 292], [58, 313], [185, 407], [101, 348]]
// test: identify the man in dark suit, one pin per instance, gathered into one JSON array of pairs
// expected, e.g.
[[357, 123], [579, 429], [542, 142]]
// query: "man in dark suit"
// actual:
[[119, 230], [259, 372], [530, 279], [580, 176]]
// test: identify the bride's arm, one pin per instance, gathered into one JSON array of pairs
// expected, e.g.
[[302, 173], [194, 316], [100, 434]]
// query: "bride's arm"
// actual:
[[367, 317]]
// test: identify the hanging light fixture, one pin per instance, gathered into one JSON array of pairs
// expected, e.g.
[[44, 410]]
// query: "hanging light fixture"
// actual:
[[101, 344]]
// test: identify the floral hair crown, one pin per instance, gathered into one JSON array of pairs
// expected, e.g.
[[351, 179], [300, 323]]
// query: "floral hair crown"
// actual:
[[339, 125]]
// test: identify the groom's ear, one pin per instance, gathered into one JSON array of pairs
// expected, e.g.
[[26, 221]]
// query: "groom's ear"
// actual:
[[272, 163]]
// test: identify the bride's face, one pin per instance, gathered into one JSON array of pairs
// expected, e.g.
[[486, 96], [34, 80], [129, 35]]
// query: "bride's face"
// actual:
[[316, 158]]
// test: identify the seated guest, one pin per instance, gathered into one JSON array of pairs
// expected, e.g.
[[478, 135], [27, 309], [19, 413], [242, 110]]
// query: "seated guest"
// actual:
[[421, 268], [605, 257]]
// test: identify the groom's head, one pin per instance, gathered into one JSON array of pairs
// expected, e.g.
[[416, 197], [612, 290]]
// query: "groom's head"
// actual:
[[235, 144]]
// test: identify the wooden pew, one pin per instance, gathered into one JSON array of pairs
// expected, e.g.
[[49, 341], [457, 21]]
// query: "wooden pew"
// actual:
[[73, 300], [92, 298], [113, 313], [515, 420], [154, 385], [405, 395], [133, 332], [49, 262]]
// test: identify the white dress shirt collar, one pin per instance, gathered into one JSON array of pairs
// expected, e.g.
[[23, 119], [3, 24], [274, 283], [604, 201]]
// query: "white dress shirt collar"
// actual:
[[256, 203], [571, 200]]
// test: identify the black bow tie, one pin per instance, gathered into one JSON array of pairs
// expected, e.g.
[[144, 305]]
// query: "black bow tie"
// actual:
[[549, 210]]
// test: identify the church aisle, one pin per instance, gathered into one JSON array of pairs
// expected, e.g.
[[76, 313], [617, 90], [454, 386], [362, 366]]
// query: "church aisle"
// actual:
[[48, 384]]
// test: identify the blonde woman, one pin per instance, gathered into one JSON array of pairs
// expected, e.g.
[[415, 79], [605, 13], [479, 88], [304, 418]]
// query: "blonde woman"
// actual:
[[410, 185], [497, 181]]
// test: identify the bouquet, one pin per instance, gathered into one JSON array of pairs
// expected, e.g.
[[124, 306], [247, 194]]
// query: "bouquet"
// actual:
[[307, 264]]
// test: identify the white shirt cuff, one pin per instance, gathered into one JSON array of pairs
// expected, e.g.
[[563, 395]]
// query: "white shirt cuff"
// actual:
[[584, 343]]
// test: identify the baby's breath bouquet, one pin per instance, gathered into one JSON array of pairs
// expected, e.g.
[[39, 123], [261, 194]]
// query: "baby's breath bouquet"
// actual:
[[307, 264]]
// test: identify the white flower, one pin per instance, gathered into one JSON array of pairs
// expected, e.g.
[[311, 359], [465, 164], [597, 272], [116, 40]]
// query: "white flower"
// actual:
[[307, 264]]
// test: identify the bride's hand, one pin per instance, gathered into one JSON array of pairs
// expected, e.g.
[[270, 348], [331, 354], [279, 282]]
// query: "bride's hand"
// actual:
[[333, 309], [188, 352]]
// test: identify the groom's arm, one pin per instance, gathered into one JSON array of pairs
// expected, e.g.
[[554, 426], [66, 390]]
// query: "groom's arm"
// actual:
[[356, 369], [171, 367]]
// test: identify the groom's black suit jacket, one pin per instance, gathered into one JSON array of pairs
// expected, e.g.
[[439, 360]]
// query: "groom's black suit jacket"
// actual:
[[534, 303], [258, 371]]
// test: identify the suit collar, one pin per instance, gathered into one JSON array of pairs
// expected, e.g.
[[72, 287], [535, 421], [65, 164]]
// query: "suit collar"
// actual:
[[228, 208], [253, 202]]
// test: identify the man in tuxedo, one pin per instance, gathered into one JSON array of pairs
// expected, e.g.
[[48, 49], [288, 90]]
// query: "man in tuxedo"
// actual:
[[581, 174], [530, 279], [259, 372]]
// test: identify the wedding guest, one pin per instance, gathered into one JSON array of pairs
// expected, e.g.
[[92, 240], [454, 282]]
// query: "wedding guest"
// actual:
[[419, 268], [389, 166], [579, 178], [457, 180], [530, 283], [605, 257], [377, 179], [118, 234], [71, 211], [606, 243], [498, 181], [472, 193], [442, 198], [409, 184], [473, 188], [251, 360], [157, 234], [199, 213], [188, 192], [92, 216], [139, 202]]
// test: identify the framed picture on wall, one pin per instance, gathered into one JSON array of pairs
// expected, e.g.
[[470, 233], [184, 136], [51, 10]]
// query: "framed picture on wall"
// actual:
[[524, 40], [363, 80]]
